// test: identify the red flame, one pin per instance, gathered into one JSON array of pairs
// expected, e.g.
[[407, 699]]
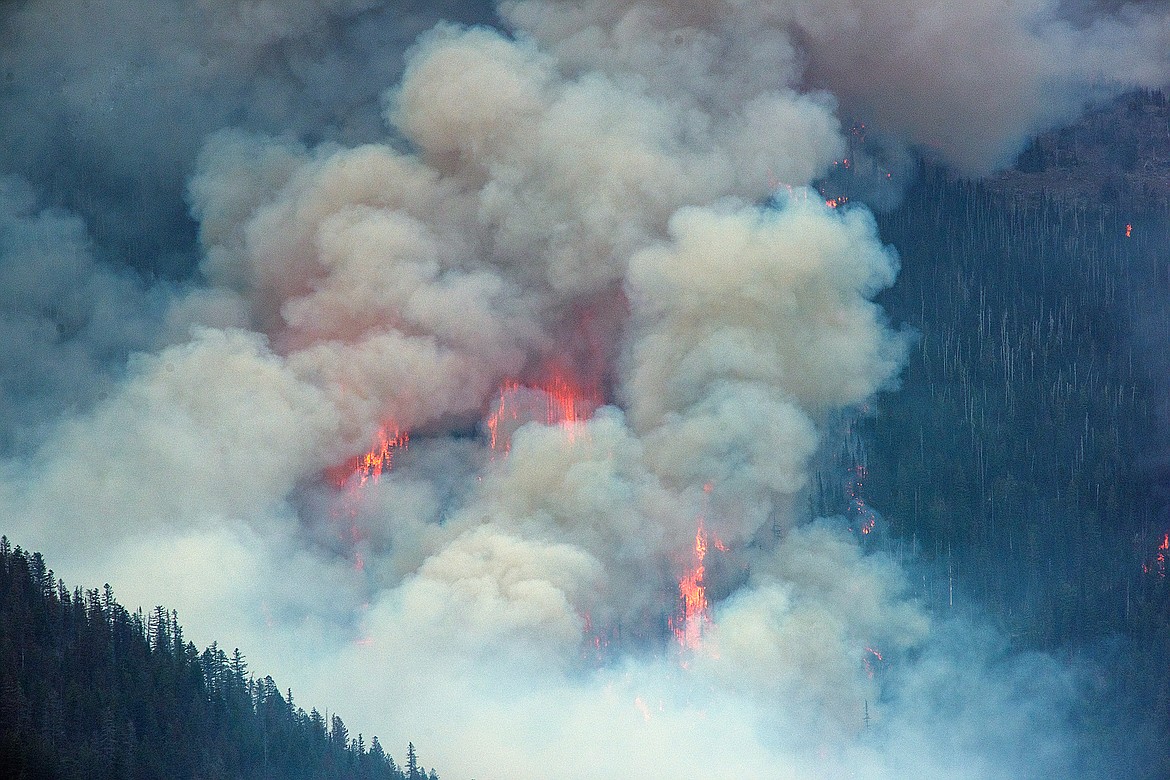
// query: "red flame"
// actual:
[[693, 614], [378, 459], [1158, 566], [354, 474], [866, 518], [597, 640], [381, 457], [557, 402]]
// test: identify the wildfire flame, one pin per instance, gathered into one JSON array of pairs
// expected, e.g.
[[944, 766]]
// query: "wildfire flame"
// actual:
[[640, 703], [381, 457], [874, 661], [597, 640], [693, 614], [865, 516], [1158, 566], [558, 402], [354, 474], [371, 465]]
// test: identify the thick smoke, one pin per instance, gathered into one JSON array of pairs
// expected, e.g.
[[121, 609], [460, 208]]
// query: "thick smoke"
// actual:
[[107, 103], [970, 83], [66, 318], [617, 194]]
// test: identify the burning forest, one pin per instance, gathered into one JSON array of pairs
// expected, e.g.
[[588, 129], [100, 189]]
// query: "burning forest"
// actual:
[[546, 366]]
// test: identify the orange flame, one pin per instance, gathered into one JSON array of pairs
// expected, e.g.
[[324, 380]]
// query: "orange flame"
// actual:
[[557, 402], [687, 625], [1157, 565], [866, 517], [640, 703], [1160, 558], [372, 464], [381, 457]]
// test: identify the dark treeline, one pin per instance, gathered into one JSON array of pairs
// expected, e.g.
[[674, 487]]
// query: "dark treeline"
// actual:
[[1023, 443], [1026, 457], [91, 690]]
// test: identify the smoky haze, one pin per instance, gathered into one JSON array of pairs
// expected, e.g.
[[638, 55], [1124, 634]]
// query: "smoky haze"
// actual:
[[239, 239]]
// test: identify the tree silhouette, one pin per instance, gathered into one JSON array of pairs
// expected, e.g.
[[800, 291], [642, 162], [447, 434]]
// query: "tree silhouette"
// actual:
[[89, 690]]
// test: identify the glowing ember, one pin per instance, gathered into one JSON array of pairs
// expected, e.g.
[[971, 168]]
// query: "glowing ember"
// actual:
[[687, 624], [866, 517], [558, 402], [874, 661], [596, 640], [1158, 566]]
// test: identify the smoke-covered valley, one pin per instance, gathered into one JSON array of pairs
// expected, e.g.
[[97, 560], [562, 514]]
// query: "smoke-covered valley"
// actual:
[[611, 389]]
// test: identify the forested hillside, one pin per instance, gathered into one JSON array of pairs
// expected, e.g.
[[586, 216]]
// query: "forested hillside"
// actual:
[[89, 690], [1025, 455]]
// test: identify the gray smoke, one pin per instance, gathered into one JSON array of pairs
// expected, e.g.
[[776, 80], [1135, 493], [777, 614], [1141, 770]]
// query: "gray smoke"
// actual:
[[106, 103], [579, 194]]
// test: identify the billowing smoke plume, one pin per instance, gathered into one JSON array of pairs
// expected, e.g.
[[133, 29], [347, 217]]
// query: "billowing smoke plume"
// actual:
[[106, 103], [613, 196], [970, 82]]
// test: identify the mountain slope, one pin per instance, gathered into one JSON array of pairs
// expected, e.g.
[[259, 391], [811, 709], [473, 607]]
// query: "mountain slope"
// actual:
[[90, 690]]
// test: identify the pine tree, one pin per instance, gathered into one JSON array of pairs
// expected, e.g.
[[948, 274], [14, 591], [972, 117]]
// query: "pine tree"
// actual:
[[412, 769], [239, 669], [338, 733], [86, 693]]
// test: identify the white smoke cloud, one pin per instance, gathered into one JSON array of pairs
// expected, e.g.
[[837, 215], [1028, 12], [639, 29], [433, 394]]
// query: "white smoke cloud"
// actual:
[[601, 162], [971, 82], [579, 171], [210, 429], [747, 327]]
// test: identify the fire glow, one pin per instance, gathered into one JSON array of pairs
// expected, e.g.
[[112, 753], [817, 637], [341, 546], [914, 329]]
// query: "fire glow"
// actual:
[[557, 402], [359, 470], [693, 614], [355, 474], [865, 516], [1157, 566], [381, 457]]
